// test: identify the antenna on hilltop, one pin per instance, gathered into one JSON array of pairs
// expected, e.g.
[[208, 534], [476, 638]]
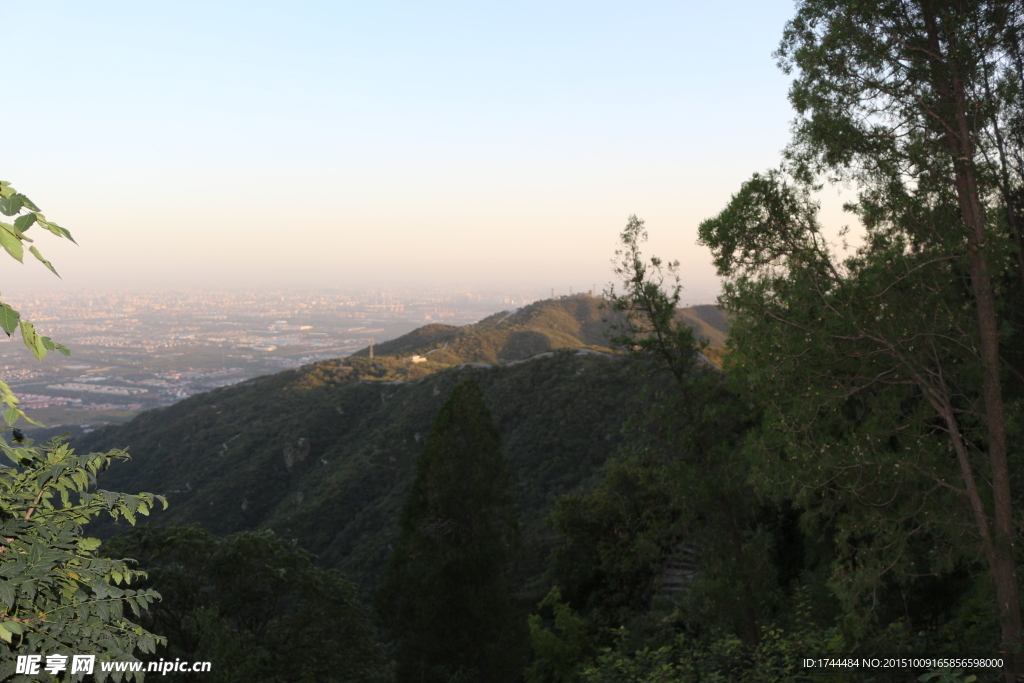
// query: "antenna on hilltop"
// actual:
[[371, 347]]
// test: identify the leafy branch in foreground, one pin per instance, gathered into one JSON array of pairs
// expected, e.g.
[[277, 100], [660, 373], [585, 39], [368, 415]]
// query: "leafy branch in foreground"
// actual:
[[13, 239], [56, 594]]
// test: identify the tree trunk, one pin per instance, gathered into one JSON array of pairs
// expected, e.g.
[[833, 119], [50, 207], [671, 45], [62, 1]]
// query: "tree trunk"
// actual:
[[1003, 569], [959, 137]]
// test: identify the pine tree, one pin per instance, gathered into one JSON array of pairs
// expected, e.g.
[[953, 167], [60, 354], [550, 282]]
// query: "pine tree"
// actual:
[[446, 595]]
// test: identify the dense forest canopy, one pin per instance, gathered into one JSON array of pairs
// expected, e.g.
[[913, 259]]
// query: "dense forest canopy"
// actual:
[[890, 380]]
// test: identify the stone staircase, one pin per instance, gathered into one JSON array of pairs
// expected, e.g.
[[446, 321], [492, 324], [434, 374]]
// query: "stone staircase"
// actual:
[[679, 570]]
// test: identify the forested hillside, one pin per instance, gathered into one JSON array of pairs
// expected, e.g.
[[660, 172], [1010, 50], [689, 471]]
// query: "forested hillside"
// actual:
[[325, 454]]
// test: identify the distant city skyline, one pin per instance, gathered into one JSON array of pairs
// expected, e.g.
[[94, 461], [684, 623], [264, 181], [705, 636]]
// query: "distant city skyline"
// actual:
[[309, 144]]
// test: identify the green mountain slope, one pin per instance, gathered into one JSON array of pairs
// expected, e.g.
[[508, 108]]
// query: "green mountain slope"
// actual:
[[707, 322], [566, 322], [325, 454], [328, 462]]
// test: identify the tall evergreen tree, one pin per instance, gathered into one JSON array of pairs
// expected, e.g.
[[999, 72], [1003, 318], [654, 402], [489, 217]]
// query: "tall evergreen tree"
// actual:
[[446, 595]]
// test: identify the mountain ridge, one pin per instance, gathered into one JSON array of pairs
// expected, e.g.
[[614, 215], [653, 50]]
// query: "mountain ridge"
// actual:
[[574, 321], [324, 454]]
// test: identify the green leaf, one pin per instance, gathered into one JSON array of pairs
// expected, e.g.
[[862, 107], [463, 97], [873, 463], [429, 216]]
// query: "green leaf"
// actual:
[[28, 203], [8, 319], [11, 205], [13, 626], [88, 544], [32, 339], [31, 421], [131, 503], [57, 230], [63, 349], [23, 223], [10, 241], [11, 415], [14, 455], [5, 634], [35, 252]]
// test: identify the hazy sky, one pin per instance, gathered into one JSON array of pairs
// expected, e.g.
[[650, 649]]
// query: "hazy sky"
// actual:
[[374, 143]]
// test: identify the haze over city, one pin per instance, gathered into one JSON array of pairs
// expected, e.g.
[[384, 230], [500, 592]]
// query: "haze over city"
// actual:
[[140, 349], [229, 144]]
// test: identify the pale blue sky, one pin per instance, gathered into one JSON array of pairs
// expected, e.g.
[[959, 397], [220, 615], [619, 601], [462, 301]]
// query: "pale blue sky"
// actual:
[[376, 143]]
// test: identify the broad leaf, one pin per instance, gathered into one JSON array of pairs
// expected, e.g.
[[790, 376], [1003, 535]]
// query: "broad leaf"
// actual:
[[32, 340], [8, 319], [30, 420], [13, 626], [6, 593], [10, 241], [23, 223], [109, 498], [35, 252], [28, 202], [57, 230], [88, 544], [10, 205]]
